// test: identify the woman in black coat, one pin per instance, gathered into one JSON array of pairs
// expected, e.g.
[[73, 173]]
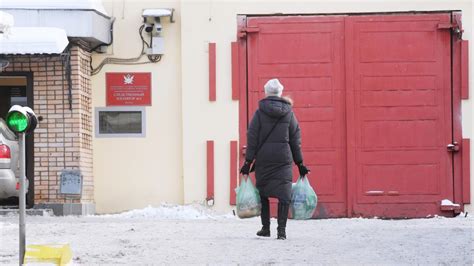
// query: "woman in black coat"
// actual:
[[274, 142]]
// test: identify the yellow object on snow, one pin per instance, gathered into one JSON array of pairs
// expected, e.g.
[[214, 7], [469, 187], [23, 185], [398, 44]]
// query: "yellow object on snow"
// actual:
[[57, 254]]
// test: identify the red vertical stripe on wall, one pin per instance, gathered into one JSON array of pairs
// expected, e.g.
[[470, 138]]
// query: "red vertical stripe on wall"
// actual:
[[233, 170], [212, 72], [466, 171], [235, 70], [210, 169], [464, 70]]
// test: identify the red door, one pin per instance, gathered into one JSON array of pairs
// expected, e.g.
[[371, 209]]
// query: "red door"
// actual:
[[398, 71], [306, 54], [373, 98]]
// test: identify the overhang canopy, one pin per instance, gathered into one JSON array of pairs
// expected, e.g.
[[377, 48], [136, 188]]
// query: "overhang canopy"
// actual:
[[95, 5], [33, 40], [84, 21]]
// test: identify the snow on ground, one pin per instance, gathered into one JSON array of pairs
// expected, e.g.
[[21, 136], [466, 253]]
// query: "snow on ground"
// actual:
[[170, 212], [195, 235]]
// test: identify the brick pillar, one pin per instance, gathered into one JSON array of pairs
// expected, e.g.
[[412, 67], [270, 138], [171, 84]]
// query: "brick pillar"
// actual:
[[63, 140], [82, 102]]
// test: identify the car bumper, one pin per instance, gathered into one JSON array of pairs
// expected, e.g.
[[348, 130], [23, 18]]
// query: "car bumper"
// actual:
[[7, 184]]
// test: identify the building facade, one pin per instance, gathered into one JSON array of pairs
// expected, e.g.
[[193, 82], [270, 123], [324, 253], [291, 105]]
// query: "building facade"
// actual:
[[343, 62]]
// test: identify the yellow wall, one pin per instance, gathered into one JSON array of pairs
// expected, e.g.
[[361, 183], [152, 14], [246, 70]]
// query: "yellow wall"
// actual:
[[215, 21], [136, 172], [170, 163]]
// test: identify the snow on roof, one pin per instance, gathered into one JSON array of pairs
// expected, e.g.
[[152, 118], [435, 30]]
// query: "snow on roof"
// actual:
[[33, 40], [6, 21], [54, 4]]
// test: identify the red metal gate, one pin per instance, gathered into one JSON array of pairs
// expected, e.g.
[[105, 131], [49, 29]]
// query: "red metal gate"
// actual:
[[313, 78], [399, 99], [373, 98]]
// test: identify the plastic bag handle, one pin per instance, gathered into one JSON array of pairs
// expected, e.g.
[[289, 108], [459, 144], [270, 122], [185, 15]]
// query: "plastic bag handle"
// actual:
[[244, 177]]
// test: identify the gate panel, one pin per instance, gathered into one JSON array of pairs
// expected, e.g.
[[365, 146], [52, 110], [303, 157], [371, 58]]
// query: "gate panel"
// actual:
[[400, 80], [306, 54], [373, 95]]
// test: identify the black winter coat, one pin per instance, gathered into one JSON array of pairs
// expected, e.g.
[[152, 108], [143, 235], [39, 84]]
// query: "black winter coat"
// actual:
[[273, 163]]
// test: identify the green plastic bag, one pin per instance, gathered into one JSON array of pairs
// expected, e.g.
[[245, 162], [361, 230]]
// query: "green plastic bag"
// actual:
[[303, 200], [248, 199]]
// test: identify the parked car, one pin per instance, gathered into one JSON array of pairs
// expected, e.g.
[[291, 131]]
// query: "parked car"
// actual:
[[9, 162]]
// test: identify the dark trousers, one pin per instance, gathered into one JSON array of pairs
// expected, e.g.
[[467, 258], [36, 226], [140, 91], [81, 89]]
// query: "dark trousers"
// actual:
[[283, 207]]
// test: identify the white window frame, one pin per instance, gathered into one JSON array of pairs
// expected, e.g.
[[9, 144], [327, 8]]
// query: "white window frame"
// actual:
[[120, 109]]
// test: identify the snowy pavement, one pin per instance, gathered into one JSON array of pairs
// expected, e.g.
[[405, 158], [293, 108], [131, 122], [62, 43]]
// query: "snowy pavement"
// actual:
[[192, 235]]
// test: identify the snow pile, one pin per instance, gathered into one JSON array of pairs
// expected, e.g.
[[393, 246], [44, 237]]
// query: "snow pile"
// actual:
[[55, 4], [447, 202], [6, 22], [34, 40], [172, 212]]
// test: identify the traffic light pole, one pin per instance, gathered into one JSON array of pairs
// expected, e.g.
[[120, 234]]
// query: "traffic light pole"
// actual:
[[22, 120], [22, 196]]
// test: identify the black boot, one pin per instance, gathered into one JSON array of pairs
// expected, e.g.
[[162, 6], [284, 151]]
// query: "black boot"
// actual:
[[281, 233], [265, 231], [265, 217], [283, 208]]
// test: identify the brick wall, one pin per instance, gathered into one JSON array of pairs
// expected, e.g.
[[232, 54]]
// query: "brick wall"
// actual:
[[63, 140]]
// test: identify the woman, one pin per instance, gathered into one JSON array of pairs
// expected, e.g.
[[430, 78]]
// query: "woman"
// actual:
[[274, 141]]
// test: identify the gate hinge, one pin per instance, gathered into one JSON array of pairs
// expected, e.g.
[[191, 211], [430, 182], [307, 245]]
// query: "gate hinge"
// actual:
[[245, 30], [453, 147], [455, 27]]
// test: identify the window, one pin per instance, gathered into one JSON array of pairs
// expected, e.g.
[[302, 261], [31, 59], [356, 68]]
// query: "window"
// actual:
[[120, 122]]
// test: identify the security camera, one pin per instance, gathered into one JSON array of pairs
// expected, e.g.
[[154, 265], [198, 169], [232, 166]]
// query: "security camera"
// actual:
[[152, 19], [153, 26], [158, 26], [148, 27]]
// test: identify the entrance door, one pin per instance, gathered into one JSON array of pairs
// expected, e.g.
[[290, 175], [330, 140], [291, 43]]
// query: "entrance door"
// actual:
[[307, 55], [399, 101], [373, 98], [16, 89]]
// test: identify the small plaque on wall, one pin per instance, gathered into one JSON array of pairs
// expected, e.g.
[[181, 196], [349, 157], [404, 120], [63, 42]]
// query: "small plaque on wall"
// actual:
[[128, 89], [71, 182]]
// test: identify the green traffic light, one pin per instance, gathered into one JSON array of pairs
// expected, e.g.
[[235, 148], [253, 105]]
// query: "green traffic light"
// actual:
[[17, 122]]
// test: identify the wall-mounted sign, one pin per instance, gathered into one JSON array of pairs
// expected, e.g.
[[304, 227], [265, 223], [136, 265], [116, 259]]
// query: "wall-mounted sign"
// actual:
[[128, 88]]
